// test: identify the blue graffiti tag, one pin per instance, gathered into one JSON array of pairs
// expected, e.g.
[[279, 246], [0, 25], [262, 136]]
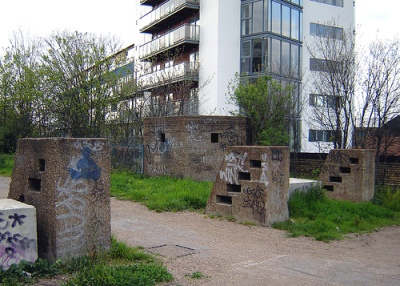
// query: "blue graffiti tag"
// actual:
[[86, 168], [17, 219]]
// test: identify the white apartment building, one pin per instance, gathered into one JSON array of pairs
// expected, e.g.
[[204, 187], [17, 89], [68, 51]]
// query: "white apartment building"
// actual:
[[207, 42]]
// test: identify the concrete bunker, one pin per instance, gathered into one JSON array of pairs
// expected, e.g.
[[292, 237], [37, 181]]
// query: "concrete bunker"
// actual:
[[68, 182], [252, 185], [348, 174]]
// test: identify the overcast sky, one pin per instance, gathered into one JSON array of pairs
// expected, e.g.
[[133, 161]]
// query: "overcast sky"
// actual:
[[41, 17]]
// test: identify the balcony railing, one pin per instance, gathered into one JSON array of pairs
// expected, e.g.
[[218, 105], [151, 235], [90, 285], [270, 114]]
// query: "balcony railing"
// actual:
[[182, 71], [184, 34], [147, 22], [149, 2]]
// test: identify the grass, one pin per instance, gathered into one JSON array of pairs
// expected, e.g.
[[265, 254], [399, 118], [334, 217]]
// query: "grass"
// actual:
[[313, 214], [161, 193], [6, 164], [122, 265]]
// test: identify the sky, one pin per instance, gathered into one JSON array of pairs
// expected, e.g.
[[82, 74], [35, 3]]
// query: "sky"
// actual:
[[42, 17], [106, 17]]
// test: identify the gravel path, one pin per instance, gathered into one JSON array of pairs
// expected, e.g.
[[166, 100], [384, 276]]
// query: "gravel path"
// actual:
[[227, 253]]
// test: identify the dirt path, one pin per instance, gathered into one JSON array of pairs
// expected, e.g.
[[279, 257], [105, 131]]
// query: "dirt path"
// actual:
[[231, 254]]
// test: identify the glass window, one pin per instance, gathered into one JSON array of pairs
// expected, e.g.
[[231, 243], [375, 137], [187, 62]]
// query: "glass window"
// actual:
[[246, 27], [285, 21], [266, 40], [285, 59], [258, 17], [266, 17], [295, 23], [294, 60], [326, 31], [246, 11], [257, 55], [246, 19], [245, 65], [275, 63], [276, 18], [246, 49], [331, 2]]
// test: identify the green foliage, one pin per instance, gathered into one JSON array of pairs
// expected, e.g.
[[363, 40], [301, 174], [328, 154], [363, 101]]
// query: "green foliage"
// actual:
[[122, 265], [313, 214], [6, 164], [161, 193], [122, 275], [387, 197], [267, 104], [196, 275]]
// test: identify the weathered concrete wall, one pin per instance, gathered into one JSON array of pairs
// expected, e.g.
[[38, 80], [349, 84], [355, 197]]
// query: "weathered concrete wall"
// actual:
[[68, 181], [252, 185], [190, 146], [348, 174], [18, 236]]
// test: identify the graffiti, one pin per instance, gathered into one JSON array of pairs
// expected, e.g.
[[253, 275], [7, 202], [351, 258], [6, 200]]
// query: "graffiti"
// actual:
[[157, 169], [276, 173], [276, 155], [196, 138], [159, 147], [93, 146], [211, 120], [231, 137], [70, 210], [255, 200], [86, 167], [234, 163], [192, 127], [236, 160], [264, 169], [15, 247], [16, 219]]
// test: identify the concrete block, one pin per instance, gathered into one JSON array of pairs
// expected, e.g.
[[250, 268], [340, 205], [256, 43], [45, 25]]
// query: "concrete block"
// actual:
[[68, 181], [302, 185], [349, 174], [18, 235], [252, 185]]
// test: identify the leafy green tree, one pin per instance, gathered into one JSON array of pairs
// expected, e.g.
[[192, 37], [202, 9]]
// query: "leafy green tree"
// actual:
[[20, 90], [80, 82], [267, 104]]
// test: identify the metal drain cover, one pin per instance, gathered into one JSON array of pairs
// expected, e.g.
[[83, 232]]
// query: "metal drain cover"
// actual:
[[172, 251]]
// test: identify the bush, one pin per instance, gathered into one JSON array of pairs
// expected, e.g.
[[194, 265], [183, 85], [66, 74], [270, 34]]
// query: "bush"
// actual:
[[387, 197]]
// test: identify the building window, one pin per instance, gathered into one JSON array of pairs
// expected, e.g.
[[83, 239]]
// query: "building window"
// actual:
[[321, 135], [331, 2], [320, 100], [271, 16], [320, 30], [322, 65]]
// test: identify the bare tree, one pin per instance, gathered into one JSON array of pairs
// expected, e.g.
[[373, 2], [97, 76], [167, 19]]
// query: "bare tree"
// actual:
[[379, 104], [333, 66]]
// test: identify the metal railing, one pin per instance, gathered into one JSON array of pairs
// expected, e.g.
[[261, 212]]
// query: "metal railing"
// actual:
[[163, 11], [180, 35], [181, 71]]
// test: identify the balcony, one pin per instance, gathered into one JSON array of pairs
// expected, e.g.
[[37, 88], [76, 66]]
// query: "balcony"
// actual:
[[186, 34], [187, 71], [149, 2], [167, 14]]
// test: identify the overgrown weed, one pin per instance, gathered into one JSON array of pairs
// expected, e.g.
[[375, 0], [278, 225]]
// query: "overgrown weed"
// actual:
[[313, 214]]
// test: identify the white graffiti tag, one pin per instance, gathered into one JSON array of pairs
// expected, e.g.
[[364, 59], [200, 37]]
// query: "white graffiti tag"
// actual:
[[234, 164]]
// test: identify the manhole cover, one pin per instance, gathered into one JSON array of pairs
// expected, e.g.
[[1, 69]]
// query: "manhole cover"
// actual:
[[173, 251]]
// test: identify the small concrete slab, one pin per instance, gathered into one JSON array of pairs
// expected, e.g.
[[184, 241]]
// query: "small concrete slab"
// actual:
[[302, 185], [18, 234]]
